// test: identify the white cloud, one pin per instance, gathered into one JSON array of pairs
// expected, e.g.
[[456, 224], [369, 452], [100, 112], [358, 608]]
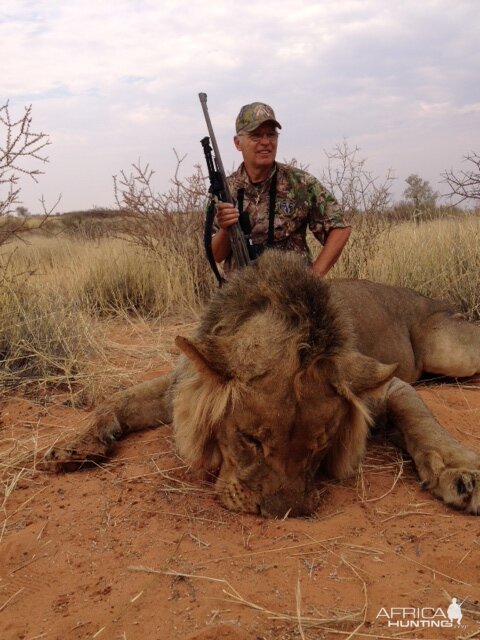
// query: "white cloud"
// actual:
[[117, 80]]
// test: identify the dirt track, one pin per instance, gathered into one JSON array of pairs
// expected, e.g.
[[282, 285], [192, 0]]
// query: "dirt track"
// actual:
[[141, 550]]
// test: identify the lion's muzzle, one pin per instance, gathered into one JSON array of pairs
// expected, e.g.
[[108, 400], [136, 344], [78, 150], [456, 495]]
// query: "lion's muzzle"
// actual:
[[289, 503]]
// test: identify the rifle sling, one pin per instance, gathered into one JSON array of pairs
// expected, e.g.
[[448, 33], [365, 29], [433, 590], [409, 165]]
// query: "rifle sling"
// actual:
[[207, 240], [272, 197]]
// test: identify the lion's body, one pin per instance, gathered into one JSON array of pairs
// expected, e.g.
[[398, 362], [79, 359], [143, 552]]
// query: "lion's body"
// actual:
[[385, 319], [395, 324], [283, 378]]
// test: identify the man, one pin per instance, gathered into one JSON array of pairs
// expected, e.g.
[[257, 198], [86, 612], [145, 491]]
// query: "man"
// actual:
[[280, 200]]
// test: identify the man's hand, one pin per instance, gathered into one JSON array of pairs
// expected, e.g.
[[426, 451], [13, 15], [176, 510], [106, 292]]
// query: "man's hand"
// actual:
[[226, 214]]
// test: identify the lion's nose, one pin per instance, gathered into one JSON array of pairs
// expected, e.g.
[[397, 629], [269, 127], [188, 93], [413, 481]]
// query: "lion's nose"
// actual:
[[287, 504]]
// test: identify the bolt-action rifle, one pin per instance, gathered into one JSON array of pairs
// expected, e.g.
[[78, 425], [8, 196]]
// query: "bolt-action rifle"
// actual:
[[242, 246]]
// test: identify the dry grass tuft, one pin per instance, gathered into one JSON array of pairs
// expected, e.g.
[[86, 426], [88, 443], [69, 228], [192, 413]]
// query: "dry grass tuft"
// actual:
[[439, 258], [44, 340]]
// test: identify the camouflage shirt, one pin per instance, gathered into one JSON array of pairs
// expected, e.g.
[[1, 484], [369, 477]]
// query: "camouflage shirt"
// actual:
[[301, 201]]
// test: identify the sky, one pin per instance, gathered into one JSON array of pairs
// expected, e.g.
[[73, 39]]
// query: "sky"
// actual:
[[115, 82]]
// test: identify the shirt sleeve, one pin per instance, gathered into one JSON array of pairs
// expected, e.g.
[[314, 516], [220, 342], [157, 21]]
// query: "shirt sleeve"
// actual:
[[325, 213]]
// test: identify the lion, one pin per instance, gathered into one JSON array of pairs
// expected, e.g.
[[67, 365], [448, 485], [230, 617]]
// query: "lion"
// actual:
[[283, 380]]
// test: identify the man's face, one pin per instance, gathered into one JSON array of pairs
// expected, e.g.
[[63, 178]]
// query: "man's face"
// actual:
[[259, 147]]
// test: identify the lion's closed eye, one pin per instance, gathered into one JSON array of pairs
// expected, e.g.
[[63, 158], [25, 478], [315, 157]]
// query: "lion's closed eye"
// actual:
[[249, 440]]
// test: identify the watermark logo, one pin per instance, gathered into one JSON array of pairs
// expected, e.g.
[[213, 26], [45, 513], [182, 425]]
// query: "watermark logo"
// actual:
[[422, 617], [454, 612]]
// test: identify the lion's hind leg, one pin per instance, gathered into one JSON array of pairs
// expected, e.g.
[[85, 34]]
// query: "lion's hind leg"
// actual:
[[447, 468], [447, 345], [143, 406]]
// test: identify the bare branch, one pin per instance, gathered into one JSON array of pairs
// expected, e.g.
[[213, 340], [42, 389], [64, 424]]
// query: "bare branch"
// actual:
[[464, 185], [356, 188], [151, 218]]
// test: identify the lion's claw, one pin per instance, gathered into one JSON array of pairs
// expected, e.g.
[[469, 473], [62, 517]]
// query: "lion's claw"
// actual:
[[71, 458], [460, 488]]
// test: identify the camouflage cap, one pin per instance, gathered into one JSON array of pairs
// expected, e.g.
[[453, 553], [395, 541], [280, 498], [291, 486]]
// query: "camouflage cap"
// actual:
[[251, 116]]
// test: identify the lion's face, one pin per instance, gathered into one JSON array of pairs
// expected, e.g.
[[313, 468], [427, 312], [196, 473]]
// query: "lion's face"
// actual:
[[271, 447], [267, 432]]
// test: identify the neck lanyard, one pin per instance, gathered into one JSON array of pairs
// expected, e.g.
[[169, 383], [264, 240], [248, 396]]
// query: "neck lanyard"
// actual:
[[245, 218]]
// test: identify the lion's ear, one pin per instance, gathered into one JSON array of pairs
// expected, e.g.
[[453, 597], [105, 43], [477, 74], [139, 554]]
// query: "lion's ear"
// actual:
[[200, 403], [362, 374], [205, 358]]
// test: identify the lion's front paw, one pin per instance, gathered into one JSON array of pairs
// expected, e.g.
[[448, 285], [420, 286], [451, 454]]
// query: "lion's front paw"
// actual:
[[460, 488], [91, 446], [74, 455]]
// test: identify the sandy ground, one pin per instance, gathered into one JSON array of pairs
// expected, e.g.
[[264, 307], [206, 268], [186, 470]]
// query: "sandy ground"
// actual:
[[139, 549]]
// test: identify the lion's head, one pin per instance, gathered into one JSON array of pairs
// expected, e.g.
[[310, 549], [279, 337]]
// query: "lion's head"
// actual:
[[272, 390]]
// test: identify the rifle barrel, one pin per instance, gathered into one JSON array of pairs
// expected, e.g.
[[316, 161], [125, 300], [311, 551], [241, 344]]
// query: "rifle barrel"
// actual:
[[218, 158], [237, 238]]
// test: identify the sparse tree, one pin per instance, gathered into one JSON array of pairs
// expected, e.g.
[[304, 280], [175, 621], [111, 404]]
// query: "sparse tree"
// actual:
[[21, 211], [464, 185], [151, 218], [420, 195], [21, 150], [168, 225], [364, 198], [356, 188]]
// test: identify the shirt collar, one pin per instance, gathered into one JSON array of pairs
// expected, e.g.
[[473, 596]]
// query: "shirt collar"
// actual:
[[246, 179]]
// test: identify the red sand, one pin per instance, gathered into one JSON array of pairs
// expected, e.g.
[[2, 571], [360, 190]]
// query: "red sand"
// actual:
[[140, 550]]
